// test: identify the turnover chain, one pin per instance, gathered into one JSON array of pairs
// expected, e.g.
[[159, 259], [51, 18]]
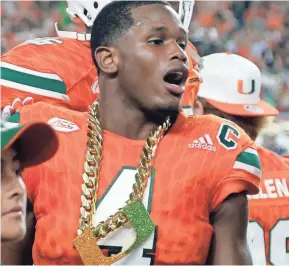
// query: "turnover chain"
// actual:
[[90, 184]]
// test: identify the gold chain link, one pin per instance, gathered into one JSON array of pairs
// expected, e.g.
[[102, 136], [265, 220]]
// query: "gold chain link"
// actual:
[[91, 176]]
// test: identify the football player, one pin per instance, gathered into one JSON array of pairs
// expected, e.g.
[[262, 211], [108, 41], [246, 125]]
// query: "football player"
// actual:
[[232, 91], [54, 70], [60, 70], [126, 178]]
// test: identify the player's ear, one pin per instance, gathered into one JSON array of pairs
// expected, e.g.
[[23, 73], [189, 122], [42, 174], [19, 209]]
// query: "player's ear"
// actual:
[[199, 108], [107, 59]]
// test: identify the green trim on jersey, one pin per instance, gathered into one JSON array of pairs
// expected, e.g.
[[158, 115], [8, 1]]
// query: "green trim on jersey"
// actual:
[[250, 159], [15, 118], [35, 81]]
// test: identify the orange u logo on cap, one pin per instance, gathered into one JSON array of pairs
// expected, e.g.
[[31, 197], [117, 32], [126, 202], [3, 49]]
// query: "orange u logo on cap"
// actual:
[[241, 87]]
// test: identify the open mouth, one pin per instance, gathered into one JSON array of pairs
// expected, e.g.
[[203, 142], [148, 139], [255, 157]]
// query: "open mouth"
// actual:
[[175, 77], [175, 80]]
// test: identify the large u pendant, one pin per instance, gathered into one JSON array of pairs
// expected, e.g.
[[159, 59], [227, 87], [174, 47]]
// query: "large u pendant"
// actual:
[[87, 246]]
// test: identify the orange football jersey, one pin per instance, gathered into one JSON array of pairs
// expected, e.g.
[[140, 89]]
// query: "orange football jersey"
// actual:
[[268, 230], [54, 70], [199, 162]]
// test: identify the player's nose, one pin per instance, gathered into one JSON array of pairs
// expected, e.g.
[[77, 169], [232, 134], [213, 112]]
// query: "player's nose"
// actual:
[[176, 52]]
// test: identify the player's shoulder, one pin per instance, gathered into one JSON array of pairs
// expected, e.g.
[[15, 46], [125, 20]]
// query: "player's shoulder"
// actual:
[[48, 48], [48, 42], [53, 115], [42, 64], [224, 134], [211, 121], [272, 162], [48, 108]]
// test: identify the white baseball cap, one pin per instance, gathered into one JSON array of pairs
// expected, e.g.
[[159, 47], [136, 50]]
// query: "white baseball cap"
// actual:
[[232, 84]]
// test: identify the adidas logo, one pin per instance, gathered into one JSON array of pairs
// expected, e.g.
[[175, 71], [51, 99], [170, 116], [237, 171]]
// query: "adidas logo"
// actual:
[[204, 143]]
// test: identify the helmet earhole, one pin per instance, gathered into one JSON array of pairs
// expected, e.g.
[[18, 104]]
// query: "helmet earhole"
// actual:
[[95, 5]]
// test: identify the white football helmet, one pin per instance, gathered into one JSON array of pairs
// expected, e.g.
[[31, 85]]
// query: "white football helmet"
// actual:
[[186, 8], [87, 10]]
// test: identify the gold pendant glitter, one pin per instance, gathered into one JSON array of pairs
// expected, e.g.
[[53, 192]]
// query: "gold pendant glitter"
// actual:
[[89, 251], [137, 215], [141, 222]]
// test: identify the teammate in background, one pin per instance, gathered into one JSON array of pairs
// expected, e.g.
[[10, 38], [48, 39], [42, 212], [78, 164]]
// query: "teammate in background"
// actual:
[[21, 147], [56, 70], [59, 70], [190, 200], [232, 91]]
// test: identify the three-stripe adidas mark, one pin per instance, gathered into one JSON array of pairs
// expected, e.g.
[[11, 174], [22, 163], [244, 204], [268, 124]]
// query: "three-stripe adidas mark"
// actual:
[[204, 143]]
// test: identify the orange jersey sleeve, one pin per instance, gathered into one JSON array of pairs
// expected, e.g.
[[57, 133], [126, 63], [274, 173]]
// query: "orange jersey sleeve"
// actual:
[[53, 70], [268, 231], [237, 168]]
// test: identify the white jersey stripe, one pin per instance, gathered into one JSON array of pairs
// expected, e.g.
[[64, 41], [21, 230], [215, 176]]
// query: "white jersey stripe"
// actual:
[[249, 168]]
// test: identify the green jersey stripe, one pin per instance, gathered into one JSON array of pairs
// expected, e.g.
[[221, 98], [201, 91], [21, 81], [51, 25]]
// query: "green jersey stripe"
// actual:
[[15, 118], [38, 91], [33, 81], [250, 159], [29, 71]]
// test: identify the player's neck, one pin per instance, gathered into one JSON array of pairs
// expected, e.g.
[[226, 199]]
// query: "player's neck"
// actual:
[[123, 121], [126, 120]]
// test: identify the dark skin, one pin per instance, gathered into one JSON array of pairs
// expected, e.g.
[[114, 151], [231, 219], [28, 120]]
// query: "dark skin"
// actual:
[[156, 39], [229, 241], [136, 95], [134, 105], [133, 96]]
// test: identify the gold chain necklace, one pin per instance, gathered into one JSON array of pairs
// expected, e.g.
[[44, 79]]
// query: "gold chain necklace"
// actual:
[[90, 183]]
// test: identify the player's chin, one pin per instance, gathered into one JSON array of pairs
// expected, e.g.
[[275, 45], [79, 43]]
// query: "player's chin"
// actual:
[[169, 106]]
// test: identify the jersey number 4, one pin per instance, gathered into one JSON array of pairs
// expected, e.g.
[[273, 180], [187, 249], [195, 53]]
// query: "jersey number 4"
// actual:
[[278, 243]]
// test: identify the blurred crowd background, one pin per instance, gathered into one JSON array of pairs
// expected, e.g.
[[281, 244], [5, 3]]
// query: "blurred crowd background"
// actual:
[[256, 30]]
